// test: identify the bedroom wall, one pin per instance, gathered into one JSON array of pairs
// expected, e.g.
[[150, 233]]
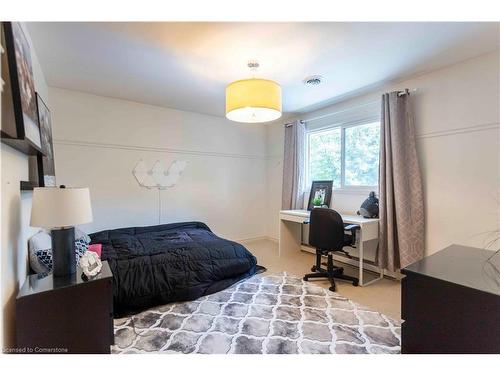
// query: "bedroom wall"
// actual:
[[99, 140], [16, 210], [458, 139]]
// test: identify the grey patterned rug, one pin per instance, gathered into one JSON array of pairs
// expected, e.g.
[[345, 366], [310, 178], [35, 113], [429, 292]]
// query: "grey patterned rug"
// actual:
[[263, 314]]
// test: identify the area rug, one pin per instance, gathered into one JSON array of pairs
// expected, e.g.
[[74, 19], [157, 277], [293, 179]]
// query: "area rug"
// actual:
[[265, 314]]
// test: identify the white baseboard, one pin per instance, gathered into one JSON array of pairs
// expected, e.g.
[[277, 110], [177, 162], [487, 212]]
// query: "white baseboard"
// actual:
[[274, 239], [250, 239], [355, 262], [258, 238], [340, 258]]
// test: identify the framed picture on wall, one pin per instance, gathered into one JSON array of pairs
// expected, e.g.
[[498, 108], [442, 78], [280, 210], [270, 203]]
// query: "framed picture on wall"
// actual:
[[48, 175], [321, 194], [22, 92], [9, 129]]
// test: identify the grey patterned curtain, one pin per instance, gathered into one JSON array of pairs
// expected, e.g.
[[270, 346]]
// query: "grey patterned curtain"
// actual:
[[293, 166], [401, 229]]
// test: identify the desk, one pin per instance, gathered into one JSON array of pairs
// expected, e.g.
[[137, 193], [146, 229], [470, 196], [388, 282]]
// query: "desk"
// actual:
[[290, 235]]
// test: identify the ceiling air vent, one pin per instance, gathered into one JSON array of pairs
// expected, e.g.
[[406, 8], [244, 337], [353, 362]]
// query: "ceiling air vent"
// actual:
[[313, 80]]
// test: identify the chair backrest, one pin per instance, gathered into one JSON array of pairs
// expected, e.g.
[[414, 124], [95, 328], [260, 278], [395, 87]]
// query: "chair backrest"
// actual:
[[326, 229]]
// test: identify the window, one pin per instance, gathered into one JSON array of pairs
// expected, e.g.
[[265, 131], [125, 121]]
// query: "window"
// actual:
[[347, 154], [325, 155]]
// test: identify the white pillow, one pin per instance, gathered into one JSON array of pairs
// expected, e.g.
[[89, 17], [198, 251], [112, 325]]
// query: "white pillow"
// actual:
[[40, 249], [39, 241]]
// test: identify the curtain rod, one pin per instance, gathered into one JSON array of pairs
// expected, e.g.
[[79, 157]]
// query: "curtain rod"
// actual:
[[406, 91], [288, 124], [400, 93]]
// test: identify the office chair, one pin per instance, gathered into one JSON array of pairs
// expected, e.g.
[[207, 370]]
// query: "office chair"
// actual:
[[327, 234]]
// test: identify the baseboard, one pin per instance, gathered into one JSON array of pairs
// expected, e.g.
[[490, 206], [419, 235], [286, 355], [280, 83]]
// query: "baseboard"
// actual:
[[258, 238], [251, 239], [354, 262], [369, 266], [274, 239]]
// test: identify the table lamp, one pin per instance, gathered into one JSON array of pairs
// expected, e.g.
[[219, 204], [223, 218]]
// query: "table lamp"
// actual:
[[60, 209]]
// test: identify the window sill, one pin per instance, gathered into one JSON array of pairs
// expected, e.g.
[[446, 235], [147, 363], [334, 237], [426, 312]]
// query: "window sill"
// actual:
[[353, 191], [356, 191]]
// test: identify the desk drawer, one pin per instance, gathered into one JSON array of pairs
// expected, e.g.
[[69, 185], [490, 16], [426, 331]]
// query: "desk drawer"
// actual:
[[295, 218]]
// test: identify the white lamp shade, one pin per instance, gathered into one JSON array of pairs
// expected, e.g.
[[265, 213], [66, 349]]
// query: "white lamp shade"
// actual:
[[54, 207]]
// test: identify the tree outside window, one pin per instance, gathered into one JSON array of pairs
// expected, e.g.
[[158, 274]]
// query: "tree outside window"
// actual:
[[356, 167]]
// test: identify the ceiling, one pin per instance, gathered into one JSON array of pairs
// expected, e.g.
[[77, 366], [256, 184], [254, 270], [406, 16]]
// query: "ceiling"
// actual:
[[187, 65]]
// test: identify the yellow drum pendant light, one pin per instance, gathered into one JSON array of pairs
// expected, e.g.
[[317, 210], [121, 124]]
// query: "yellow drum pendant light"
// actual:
[[253, 100]]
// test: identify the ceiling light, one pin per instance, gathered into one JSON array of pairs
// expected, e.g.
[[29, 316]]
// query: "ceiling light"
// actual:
[[253, 100]]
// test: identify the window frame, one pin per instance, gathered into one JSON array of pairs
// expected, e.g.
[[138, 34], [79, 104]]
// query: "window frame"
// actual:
[[342, 126]]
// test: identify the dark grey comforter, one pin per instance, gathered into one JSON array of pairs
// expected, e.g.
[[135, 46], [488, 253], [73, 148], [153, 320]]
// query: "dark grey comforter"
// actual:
[[172, 262]]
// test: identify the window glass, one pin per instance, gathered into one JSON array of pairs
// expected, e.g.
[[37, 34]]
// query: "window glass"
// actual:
[[325, 156], [362, 154]]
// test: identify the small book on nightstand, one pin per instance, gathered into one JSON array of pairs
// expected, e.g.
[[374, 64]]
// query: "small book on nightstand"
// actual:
[[71, 314]]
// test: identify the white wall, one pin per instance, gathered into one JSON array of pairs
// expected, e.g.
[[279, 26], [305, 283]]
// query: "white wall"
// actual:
[[99, 140], [275, 148], [458, 139], [16, 208]]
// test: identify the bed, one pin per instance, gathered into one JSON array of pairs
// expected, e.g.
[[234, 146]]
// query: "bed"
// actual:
[[166, 263]]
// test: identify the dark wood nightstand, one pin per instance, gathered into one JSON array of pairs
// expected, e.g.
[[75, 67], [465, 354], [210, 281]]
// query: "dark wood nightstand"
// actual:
[[451, 303], [66, 314]]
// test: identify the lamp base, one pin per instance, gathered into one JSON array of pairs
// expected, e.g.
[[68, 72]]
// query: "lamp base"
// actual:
[[63, 252]]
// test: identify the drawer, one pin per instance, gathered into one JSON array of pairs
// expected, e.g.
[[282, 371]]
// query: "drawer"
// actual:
[[295, 218]]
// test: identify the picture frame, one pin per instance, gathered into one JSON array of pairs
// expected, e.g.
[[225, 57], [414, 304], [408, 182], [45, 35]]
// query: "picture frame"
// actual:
[[20, 127], [321, 191], [9, 129], [45, 161]]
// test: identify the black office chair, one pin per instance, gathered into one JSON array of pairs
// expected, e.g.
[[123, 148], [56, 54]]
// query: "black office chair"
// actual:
[[327, 234]]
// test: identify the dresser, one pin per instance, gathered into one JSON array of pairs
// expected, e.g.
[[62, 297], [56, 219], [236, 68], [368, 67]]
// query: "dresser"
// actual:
[[450, 302], [65, 314]]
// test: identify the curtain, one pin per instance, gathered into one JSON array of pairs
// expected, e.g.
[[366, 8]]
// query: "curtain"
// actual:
[[401, 228], [293, 166]]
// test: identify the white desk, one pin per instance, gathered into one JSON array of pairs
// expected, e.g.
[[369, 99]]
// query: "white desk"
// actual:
[[290, 236]]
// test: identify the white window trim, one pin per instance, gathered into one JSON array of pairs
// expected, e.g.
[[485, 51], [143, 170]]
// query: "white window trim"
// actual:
[[343, 189]]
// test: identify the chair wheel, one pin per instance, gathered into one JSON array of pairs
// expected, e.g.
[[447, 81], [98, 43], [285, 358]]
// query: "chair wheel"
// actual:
[[313, 269], [305, 278], [332, 289], [355, 283]]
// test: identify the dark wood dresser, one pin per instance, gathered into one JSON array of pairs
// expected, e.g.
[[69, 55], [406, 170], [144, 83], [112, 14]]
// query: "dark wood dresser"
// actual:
[[450, 303], [66, 314]]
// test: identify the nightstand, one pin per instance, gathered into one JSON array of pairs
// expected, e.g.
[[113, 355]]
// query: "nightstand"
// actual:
[[450, 302], [66, 314]]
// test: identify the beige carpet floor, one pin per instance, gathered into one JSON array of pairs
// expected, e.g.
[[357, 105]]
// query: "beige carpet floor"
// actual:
[[383, 295]]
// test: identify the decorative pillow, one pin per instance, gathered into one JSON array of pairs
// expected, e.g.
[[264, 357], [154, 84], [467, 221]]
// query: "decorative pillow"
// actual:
[[96, 248], [44, 260], [81, 246], [38, 242], [40, 251], [81, 235]]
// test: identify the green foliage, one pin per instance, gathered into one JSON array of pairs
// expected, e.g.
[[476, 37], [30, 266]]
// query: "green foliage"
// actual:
[[361, 155], [324, 156], [317, 202]]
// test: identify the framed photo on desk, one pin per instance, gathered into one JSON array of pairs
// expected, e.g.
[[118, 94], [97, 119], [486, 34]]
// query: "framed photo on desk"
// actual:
[[321, 194]]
